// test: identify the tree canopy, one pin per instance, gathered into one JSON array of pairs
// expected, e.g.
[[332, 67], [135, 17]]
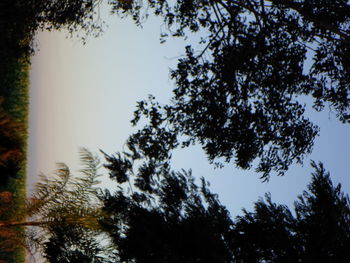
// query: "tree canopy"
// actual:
[[172, 219], [317, 231], [20, 19], [69, 243], [239, 89]]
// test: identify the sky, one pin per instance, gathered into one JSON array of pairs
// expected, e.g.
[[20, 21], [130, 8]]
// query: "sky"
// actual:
[[85, 95]]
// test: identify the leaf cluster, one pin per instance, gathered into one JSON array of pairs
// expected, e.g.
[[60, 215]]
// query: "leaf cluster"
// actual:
[[20, 20], [239, 89], [171, 220], [317, 231], [72, 244]]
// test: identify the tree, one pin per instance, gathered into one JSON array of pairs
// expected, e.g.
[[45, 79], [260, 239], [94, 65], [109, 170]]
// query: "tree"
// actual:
[[171, 219], [266, 235], [239, 89], [66, 208], [177, 222], [73, 244], [327, 206], [319, 231], [20, 20]]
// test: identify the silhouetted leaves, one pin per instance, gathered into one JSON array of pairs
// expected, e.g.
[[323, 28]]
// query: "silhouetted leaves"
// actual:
[[20, 19], [323, 205], [175, 220], [72, 244], [171, 219], [168, 227], [239, 89], [318, 231]]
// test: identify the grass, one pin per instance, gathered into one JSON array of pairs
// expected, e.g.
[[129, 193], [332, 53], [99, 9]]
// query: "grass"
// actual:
[[14, 85], [17, 30]]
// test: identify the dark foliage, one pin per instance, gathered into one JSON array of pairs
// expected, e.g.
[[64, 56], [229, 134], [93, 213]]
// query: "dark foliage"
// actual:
[[72, 244], [19, 20], [323, 205], [267, 234], [239, 89], [177, 221], [174, 221], [320, 231]]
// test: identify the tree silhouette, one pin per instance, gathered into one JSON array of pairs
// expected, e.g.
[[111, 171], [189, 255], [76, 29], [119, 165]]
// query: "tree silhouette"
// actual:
[[239, 89], [174, 220], [327, 206], [318, 232], [20, 20], [73, 244]]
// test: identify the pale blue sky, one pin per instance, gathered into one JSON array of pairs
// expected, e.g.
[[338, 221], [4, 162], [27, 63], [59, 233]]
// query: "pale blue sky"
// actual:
[[84, 96]]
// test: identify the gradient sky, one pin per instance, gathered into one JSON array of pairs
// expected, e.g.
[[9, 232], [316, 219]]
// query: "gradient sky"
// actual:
[[84, 96]]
